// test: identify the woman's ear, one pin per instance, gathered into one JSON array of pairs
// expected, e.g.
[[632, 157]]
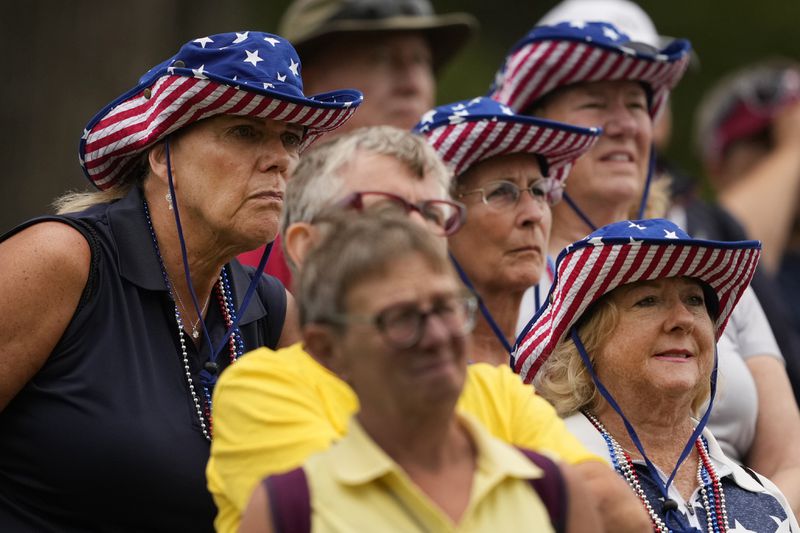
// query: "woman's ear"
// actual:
[[298, 240], [157, 158], [320, 340]]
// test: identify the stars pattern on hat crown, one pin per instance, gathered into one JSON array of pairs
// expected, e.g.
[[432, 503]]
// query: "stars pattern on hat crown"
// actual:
[[264, 60], [251, 61]]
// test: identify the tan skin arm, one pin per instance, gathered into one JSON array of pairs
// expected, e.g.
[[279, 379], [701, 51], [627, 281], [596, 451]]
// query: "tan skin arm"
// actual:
[[582, 515], [43, 272], [257, 516], [775, 452], [616, 504], [765, 198], [290, 334]]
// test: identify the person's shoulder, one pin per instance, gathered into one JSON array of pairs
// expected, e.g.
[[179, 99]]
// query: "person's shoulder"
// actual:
[[486, 373], [484, 379], [49, 244], [263, 362]]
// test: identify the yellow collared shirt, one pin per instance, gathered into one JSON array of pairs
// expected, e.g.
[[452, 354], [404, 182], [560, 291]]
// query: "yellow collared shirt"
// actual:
[[356, 487], [274, 409]]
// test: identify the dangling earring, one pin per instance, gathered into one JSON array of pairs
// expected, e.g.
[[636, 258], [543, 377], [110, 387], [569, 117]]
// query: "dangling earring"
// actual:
[[168, 197]]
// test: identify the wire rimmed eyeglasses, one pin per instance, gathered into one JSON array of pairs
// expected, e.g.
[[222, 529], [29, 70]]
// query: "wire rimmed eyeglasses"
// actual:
[[444, 217], [504, 194], [402, 325]]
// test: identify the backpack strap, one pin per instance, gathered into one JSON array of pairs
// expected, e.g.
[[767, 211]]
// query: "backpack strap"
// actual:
[[551, 488], [289, 501]]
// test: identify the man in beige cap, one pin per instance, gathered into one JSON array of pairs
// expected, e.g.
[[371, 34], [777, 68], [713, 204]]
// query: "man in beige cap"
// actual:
[[391, 50]]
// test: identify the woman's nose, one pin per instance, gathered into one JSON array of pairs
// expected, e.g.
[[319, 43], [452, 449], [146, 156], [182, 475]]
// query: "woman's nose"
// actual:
[[620, 121], [681, 317]]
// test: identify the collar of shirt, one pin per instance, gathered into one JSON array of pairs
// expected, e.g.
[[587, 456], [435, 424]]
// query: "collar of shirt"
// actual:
[[357, 459], [137, 262]]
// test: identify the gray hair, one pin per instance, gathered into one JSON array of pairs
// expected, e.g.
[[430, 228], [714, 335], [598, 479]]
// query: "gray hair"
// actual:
[[356, 247], [318, 181]]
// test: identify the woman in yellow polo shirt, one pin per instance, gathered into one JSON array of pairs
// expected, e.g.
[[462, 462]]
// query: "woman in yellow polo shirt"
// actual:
[[410, 460]]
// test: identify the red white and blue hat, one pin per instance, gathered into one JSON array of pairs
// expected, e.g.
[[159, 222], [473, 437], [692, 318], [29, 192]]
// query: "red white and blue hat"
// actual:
[[627, 252], [555, 56], [246, 73], [467, 132]]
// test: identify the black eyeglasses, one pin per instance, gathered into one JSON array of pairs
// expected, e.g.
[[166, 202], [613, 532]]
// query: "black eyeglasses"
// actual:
[[503, 194], [444, 217], [403, 325]]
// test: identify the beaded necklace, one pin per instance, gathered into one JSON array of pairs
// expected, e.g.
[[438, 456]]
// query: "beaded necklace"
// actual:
[[711, 491], [208, 375]]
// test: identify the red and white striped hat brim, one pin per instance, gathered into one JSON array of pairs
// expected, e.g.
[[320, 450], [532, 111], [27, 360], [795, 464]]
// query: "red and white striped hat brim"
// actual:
[[605, 260], [248, 73], [468, 132], [569, 54], [114, 142]]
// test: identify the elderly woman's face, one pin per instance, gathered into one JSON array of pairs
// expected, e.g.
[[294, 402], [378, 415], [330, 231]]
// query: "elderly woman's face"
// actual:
[[503, 244], [663, 343], [230, 175], [431, 371], [614, 170]]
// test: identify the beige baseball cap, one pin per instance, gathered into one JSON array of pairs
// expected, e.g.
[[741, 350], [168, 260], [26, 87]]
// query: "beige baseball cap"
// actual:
[[308, 22]]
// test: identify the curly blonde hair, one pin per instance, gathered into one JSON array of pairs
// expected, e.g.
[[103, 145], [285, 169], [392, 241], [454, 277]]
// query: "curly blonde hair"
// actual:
[[563, 379]]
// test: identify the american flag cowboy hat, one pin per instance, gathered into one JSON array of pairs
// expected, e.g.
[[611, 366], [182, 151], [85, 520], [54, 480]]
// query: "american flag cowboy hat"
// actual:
[[627, 252], [467, 132], [246, 73], [555, 56]]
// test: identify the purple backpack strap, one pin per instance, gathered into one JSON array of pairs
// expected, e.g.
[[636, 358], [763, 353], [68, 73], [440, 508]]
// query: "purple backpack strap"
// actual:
[[289, 501], [550, 488]]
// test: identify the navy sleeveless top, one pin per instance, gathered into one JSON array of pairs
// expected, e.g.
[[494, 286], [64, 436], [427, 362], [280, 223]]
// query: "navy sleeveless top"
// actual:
[[105, 436]]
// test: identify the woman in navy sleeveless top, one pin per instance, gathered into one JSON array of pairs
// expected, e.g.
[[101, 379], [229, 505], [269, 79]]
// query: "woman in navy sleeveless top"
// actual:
[[120, 313]]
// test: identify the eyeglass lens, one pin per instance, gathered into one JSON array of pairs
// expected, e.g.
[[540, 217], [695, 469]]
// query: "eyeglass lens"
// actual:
[[403, 326], [444, 217], [506, 194]]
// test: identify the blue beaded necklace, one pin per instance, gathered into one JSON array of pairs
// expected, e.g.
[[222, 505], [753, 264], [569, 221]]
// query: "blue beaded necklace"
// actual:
[[208, 375]]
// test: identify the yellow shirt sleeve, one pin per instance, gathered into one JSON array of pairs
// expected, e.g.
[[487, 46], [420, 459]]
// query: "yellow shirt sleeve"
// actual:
[[514, 413], [272, 410]]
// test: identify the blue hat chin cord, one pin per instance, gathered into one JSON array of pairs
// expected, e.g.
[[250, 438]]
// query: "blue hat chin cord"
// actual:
[[209, 379], [670, 509], [651, 168], [487, 315]]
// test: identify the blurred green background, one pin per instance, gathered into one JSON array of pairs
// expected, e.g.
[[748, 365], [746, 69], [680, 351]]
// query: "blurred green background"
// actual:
[[65, 59]]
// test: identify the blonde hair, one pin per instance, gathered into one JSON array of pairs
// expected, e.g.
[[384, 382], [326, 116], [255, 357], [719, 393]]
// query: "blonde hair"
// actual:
[[75, 201], [563, 379], [659, 198]]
